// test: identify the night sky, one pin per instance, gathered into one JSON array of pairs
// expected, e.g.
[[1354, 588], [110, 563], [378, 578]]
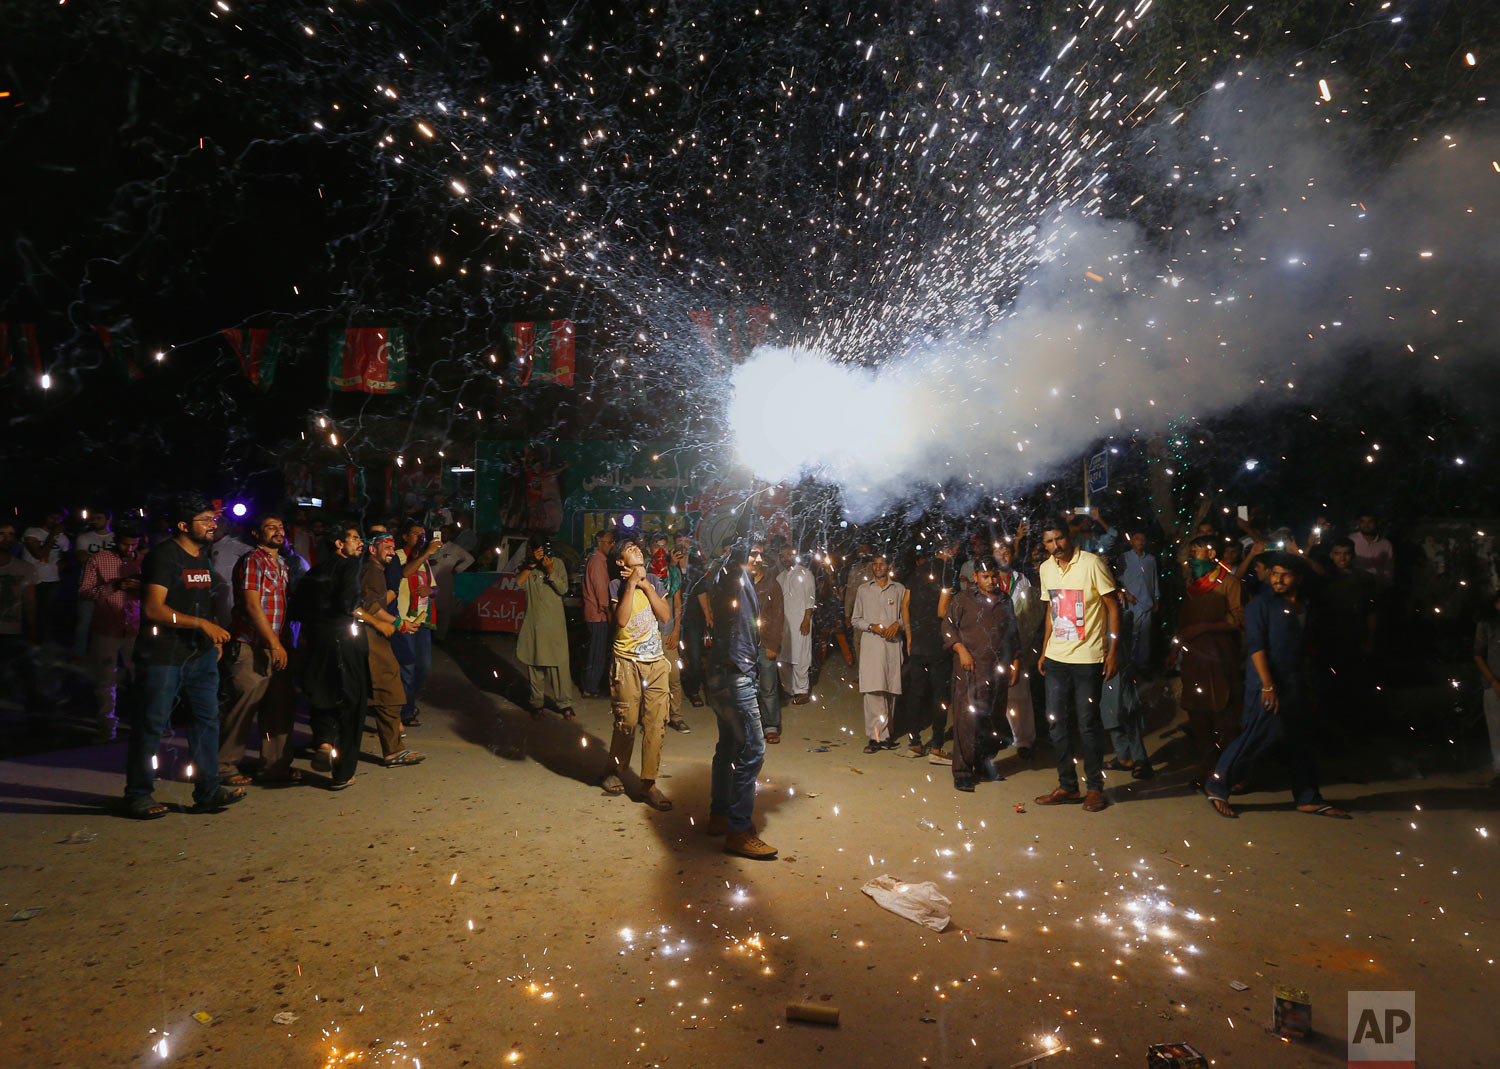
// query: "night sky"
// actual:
[[956, 207]]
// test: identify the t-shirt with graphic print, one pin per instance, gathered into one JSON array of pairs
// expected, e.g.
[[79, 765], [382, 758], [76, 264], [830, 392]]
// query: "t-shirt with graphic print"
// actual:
[[640, 638], [190, 591], [1076, 620]]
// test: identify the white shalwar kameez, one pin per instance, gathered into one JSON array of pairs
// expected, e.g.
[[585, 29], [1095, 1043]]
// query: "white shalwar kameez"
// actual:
[[879, 658], [798, 598]]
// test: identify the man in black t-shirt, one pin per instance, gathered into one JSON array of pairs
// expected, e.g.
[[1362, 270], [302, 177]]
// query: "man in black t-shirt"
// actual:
[[177, 652]]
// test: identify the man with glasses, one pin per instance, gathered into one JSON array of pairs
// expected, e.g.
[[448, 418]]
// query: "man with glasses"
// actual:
[[177, 652]]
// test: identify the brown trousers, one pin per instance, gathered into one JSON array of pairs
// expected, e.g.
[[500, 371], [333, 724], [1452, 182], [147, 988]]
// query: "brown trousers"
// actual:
[[254, 691], [639, 694], [387, 696]]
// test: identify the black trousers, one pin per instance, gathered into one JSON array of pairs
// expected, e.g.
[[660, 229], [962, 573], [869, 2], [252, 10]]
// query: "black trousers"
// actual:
[[693, 626], [924, 694], [341, 728]]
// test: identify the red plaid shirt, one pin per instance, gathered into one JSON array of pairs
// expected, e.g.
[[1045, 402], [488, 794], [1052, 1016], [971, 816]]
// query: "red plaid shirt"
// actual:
[[263, 571], [117, 613]]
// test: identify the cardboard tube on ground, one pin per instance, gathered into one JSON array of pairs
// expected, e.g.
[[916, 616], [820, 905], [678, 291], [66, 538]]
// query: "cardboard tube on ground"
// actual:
[[808, 1011]]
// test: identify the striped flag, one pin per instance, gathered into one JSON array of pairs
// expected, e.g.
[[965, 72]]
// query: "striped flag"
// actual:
[[368, 360], [19, 339], [735, 332], [544, 351], [258, 351]]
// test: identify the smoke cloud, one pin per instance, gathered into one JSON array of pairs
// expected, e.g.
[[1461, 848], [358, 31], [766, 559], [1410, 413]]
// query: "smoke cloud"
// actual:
[[1288, 244]]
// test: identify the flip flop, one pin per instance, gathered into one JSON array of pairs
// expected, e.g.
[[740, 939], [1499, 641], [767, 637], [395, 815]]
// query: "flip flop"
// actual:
[[658, 801], [569, 714], [872, 747], [1221, 807], [1325, 810], [773, 737], [1114, 764], [239, 779], [612, 785]]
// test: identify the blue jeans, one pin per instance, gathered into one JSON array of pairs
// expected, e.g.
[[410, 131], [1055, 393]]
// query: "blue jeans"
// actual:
[[414, 666], [598, 658], [198, 682], [1073, 693], [768, 694], [741, 749]]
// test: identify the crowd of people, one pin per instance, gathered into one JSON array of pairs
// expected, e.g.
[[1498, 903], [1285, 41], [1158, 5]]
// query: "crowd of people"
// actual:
[[227, 622], [961, 641]]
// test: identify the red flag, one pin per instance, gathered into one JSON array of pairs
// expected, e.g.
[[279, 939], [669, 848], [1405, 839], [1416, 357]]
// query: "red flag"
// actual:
[[258, 350], [368, 360], [563, 363]]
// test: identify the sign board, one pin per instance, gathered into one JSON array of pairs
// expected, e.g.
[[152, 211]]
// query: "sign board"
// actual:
[[1098, 472]]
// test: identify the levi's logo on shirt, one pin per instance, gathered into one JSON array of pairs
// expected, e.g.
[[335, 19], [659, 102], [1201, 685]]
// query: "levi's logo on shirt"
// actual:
[[197, 578]]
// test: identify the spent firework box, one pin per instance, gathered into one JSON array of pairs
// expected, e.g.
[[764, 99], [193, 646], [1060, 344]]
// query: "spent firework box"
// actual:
[[1291, 1012], [1174, 1056]]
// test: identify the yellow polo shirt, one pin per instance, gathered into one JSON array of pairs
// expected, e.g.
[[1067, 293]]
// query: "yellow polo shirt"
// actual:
[[1075, 607]]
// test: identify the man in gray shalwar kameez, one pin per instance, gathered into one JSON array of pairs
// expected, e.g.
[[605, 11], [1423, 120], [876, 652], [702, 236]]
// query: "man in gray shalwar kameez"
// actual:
[[542, 645], [880, 612]]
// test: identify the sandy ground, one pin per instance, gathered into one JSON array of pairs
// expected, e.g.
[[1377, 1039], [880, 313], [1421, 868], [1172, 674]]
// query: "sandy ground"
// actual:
[[492, 907]]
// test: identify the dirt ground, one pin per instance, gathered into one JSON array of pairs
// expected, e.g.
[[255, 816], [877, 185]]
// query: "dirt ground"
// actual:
[[492, 907]]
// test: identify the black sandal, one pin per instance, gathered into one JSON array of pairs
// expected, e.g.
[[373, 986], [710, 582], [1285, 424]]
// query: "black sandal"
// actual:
[[220, 800], [872, 747], [145, 809], [569, 714]]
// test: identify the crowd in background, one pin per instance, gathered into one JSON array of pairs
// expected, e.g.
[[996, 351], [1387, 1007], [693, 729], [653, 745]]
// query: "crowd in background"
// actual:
[[955, 644]]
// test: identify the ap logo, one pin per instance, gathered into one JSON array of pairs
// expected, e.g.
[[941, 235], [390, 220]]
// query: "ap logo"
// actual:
[[1382, 1030]]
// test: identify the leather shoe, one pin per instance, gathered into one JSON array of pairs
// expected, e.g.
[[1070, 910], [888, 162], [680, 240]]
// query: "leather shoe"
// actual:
[[1095, 801], [963, 783], [1058, 797]]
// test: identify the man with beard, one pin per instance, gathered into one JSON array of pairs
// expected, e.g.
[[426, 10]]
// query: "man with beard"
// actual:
[[177, 653], [542, 645], [387, 695], [980, 629], [334, 656], [1078, 654], [1278, 712], [259, 682], [881, 612]]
